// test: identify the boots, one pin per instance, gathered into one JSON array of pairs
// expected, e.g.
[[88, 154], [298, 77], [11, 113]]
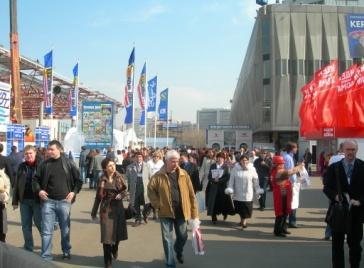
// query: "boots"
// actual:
[[278, 226], [107, 255]]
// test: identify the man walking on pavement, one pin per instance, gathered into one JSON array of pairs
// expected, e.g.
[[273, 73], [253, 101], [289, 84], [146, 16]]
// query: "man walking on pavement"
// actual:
[[349, 173], [57, 181], [171, 193]]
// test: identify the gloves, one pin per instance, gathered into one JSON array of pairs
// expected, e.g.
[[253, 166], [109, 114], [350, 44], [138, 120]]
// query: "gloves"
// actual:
[[229, 191]]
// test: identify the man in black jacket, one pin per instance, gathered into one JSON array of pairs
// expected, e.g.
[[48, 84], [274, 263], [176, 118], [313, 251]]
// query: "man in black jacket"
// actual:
[[349, 173], [263, 165], [57, 181], [192, 171], [23, 194]]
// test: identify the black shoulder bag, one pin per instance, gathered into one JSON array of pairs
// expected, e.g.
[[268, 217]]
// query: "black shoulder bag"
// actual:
[[338, 214]]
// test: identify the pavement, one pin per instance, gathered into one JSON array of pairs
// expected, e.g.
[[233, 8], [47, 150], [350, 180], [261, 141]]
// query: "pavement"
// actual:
[[226, 244]]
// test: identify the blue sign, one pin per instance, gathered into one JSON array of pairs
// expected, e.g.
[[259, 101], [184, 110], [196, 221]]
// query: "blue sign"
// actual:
[[355, 29], [42, 136], [15, 135]]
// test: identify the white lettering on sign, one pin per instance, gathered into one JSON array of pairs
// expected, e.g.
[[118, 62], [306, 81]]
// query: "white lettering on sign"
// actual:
[[356, 24]]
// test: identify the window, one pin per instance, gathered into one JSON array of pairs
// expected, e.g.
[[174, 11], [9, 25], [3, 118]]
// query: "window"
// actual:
[[267, 95], [266, 114], [266, 69]]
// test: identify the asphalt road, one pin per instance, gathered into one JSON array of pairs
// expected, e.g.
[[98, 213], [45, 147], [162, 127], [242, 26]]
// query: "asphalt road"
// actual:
[[226, 244]]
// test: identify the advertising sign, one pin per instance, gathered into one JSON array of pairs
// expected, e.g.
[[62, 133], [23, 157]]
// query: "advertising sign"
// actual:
[[42, 135], [15, 136], [355, 29], [97, 124], [4, 103]]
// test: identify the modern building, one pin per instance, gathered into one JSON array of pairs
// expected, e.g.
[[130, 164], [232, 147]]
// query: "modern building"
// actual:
[[206, 117], [289, 42]]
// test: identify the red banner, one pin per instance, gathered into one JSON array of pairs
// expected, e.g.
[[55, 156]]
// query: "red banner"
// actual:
[[306, 112], [325, 101]]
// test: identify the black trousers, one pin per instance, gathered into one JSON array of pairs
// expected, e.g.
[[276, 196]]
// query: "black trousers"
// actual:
[[354, 238], [263, 183], [280, 224]]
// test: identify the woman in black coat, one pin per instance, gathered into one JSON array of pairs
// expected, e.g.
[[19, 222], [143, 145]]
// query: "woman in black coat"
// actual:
[[217, 201]]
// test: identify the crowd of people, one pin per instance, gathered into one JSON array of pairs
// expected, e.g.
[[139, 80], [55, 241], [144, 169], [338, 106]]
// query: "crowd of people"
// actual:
[[136, 183]]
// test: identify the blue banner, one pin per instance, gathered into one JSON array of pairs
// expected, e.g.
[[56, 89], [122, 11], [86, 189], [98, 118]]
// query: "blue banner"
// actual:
[[163, 106], [74, 93], [142, 118], [97, 124], [152, 95], [47, 82], [355, 29], [129, 89]]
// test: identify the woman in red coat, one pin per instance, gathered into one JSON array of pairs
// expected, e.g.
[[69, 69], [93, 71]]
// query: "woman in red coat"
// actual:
[[282, 193]]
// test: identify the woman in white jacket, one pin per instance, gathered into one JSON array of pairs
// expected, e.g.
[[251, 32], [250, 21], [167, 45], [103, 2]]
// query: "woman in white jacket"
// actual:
[[242, 185]]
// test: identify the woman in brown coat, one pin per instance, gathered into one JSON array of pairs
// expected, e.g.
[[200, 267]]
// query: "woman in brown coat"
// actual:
[[110, 192]]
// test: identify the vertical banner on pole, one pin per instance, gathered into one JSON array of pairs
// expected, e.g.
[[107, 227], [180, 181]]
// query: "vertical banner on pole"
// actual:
[[42, 136], [15, 136]]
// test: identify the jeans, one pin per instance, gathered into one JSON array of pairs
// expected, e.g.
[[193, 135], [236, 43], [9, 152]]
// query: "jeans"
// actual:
[[180, 228], [292, 218], [29, 212], [95, 180], [50, 209], [83, 173]]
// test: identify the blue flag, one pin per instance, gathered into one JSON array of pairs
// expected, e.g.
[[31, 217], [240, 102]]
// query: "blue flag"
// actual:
[[129, 89], [73, 101], [163, 105], [47, 82], [152, 95], [142, 118]]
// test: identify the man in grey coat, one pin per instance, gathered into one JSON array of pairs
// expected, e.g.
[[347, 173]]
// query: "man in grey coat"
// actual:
[[138, 178]]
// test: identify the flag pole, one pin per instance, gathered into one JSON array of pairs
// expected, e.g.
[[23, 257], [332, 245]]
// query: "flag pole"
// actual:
[[155, 130], [167, 125], [51, 89], [145, 108]]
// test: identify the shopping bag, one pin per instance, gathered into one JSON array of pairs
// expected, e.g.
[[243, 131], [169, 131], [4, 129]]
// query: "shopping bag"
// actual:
[[200, 202], [305, 179], [197, 243]]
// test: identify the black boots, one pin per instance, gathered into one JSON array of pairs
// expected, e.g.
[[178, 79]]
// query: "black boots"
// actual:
[[280, 226]]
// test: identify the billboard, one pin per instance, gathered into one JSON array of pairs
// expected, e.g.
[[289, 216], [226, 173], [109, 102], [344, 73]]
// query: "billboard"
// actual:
[[4, 103], [355, 29], [97, 124]]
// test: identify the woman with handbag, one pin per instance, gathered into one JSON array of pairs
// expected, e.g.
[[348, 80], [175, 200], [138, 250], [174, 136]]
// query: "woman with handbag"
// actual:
[[282, 193], [109, 197]]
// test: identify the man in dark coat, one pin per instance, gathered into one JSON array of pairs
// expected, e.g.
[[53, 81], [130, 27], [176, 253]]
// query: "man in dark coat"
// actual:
[[349, 173], [263, 165], [192, 171]]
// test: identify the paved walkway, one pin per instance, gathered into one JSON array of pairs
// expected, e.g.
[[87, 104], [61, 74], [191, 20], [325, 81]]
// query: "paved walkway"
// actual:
[[226, 245]]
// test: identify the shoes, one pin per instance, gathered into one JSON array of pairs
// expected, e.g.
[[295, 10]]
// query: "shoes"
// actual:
[[115, 254], [66, 256], [327, 238], [180, 258], [136, 223], [280, 234], [286, 232], [292, 226], [261, 208], [225, 217], [145, 219], [244, 226]]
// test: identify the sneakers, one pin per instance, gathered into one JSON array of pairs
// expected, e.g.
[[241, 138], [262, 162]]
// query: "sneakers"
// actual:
[[66, 256]]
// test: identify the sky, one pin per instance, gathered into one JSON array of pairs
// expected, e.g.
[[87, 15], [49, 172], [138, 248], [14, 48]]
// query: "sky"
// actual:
[[196, 48]]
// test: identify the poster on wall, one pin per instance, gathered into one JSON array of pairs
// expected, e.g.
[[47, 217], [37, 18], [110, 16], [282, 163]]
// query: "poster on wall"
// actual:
[[97, 124], [355, 29]]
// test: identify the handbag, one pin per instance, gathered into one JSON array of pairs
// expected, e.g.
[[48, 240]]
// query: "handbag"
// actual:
[[338, 215], [129, 212]]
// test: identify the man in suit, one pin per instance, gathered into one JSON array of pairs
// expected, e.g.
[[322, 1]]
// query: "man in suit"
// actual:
[[350, 173]]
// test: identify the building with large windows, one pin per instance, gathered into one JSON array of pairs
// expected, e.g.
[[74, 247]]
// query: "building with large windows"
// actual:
[[207, 116], [289, 42]]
